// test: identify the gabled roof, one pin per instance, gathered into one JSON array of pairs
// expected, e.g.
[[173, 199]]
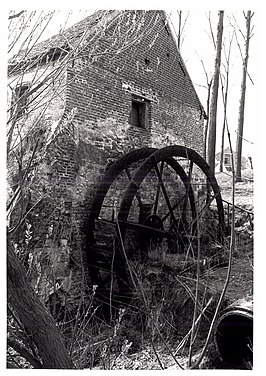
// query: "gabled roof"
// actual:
[[76, 37], [64, 41]]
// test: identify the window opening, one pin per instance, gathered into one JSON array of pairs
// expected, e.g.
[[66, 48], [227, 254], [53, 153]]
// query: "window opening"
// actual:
[[227, 159], [147, 61], [138, 112]]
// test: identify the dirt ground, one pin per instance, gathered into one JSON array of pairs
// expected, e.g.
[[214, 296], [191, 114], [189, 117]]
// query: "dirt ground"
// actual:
[[136, 353], [240, 285], [243, 190], [241, 281]]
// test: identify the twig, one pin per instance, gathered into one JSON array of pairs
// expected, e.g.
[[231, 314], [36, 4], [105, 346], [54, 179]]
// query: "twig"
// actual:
[[168, 348], [156, 354], [184, 340], [112, 280], [192, 339], [16, 15], [24, 352], [212, 35]]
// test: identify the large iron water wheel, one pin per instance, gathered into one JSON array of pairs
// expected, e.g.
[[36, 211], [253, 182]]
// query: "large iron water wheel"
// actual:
[[168, 207], [147, 225], [173, 215]]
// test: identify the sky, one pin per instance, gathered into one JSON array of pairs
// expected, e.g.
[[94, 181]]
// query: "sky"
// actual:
[[197, 46]]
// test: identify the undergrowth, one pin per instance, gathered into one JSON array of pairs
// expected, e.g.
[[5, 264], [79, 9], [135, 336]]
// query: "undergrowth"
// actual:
[[157, 323]]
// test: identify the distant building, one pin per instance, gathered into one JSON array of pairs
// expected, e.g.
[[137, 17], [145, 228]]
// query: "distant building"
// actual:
[[227, 161]]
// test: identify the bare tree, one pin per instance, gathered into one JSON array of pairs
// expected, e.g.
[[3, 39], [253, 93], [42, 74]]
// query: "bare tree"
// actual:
[[208, 86], [214, 94], [241, 114], [181, 26], [224, 87], [33, 316], [23, 147], [206, 124]]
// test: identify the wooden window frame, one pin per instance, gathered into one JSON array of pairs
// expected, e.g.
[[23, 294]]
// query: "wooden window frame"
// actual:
[[139, 111]]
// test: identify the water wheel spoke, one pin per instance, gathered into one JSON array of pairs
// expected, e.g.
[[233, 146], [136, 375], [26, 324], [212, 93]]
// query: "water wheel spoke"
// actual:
[[128, 173], [144, 228], [165, 194], [137, 193], [207, 204], [175, 206], [158, 190], [188, 187]]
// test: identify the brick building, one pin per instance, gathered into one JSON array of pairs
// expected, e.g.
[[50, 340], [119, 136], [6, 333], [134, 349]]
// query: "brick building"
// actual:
[[113, 82]]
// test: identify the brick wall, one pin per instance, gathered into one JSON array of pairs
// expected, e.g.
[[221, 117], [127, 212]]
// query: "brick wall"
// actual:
[[98, 92], [101, 130]]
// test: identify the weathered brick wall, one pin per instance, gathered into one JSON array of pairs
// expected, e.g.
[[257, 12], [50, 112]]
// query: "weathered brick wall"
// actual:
[[99, 94], [99, 91], [103, 102], [40, 120], [47, 99], [33, 131]]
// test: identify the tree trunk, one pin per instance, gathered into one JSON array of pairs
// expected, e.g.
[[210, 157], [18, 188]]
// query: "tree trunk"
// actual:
[[214, 94], [206, 127], [242, 101], [179, 29], [225, 97], [222, 149], [33, 316], [225, 114]]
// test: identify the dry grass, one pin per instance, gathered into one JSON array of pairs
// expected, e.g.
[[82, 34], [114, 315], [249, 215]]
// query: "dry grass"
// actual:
[[153, 331]]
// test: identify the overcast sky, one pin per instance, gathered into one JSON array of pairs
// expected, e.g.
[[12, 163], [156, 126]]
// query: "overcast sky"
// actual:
[[198, 46]]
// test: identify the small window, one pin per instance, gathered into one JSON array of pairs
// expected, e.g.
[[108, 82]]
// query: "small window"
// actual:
[[138, 112], [147, 61], [21, 99], [227, 160]]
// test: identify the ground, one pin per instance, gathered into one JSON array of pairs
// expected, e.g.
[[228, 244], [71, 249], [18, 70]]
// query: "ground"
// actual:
[[148, 333], [161, 355], [241, 282]]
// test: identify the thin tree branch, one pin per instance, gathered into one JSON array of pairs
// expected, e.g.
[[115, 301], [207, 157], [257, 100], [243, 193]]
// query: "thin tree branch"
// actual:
[[16, 15], [212, 35], [243, 59], [24, 352]]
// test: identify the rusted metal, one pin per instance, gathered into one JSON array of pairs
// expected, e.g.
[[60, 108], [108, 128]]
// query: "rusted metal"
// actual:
[[250, 214], [234, 334], [150, 225], [165, 154], [142, 227], [107, 180]]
